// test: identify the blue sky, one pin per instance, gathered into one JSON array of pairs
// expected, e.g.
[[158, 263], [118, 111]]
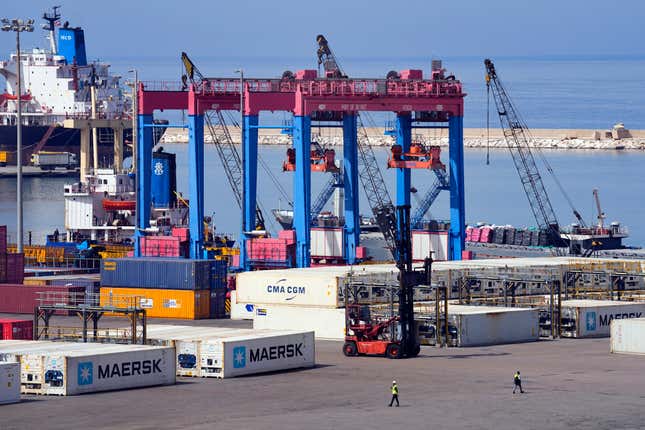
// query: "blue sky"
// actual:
[[356, 28]]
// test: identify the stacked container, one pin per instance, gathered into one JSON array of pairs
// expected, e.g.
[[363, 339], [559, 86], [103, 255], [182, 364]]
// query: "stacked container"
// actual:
[[12, 266], [271, 252], [168, 288]]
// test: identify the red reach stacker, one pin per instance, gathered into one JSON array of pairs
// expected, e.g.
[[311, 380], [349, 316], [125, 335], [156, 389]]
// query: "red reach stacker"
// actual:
[[393, 337]]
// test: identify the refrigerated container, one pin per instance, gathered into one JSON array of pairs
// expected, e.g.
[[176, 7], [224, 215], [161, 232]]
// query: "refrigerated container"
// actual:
[[489, 325], [9, 383], [592, 318], [240, 310], [628, 336], [63, 368], [326, 323]]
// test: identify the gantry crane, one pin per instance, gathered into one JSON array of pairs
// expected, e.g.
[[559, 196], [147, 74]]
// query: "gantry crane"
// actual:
[[369, 173], [224, 145], [517, 137]]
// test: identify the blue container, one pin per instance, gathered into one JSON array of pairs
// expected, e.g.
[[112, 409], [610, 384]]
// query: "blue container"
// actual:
[[218, 304], [153, 272], [163, 181], [218, 274]]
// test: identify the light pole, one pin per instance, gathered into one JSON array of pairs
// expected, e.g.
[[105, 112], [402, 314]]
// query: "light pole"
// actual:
[[135, 112], [18, 25]]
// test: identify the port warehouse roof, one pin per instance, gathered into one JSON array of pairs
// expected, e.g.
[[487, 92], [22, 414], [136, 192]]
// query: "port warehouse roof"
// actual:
[[554, 263]]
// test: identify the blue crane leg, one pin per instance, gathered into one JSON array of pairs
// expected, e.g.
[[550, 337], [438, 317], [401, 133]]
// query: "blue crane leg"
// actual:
[[302, 189], [250, 182], [352, 228], [144, 165], [403, 176], [457, 197], [196, 184]]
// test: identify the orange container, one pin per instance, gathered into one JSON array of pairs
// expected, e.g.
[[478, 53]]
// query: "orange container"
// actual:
[[158, 303]]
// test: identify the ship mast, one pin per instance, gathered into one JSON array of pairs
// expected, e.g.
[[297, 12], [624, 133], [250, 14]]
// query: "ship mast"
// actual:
[[52, 20]]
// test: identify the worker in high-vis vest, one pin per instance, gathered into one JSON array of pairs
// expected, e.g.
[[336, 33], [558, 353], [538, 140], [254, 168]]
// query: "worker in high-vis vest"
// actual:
[[395, 394], [517, 382]]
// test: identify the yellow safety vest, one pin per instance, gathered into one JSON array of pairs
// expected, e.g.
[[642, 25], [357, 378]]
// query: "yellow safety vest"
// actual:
[[395, 389]]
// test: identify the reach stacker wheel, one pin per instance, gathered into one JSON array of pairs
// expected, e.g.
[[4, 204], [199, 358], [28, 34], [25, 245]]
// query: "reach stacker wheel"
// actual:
[[349, 349], [393, 351]]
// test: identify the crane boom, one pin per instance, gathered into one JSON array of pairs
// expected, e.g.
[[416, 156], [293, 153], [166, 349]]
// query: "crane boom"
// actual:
[[226, 150], [516, 135], [601, 214]]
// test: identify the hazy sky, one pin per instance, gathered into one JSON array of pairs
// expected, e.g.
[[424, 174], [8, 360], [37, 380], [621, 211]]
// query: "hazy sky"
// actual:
[[355, 28]]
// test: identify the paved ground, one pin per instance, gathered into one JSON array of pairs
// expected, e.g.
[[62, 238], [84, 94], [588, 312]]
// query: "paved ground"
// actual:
[[569, 384]]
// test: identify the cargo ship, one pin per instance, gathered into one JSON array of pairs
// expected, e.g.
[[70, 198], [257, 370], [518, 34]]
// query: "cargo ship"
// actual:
[[56, 85]]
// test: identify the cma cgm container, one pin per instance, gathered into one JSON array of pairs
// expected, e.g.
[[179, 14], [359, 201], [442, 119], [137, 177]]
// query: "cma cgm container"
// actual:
[[162, 273], [592, 318], [69, 369], [184, 304], [9, 383], [319, 287], [628, 336]]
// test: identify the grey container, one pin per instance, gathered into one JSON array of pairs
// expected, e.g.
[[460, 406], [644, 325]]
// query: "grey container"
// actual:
[[162, 273]]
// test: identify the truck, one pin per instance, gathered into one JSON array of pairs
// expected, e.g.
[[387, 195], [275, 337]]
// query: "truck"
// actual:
[[48, 160]]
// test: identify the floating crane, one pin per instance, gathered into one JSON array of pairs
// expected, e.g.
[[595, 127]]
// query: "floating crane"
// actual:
[[518, 138]]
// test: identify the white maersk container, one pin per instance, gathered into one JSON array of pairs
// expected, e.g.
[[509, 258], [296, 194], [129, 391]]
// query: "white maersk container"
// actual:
[[327, 323], [207, 351], [628, 336], [490, 325], [63, 368], [592, 318], [9, 383]]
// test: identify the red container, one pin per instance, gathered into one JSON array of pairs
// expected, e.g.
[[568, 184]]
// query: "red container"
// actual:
[[22, 299], [469, 234], [235, 260], [288, 235], [15, 268], [16, 329], [160, 246], [3, 239], [466, 255], [475, 234], [3, 268], [486, 235], [180, 232], [361, 252]]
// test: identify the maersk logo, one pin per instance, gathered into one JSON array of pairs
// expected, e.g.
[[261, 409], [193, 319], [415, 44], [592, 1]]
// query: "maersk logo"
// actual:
[[605, 320], [591, 321], [239, 357], [85, 373], [276, 352], [291, 290], [129, 368]]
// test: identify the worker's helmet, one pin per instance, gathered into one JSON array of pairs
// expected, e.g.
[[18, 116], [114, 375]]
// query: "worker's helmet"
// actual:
[[394, 382]]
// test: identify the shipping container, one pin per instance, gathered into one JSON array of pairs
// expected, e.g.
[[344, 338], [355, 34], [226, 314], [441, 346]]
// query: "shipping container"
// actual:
[[150, 272], [161, 246], [3, 268], [240, 310], [217, 304], [76, 368], [488, 325], [426, 244], [3, 239], [9, 383], [22, 299], [592, 318], [327, 242], [249, 354], [325, 323], [15, 268], [15, 329], [165, 303], [628, 336]]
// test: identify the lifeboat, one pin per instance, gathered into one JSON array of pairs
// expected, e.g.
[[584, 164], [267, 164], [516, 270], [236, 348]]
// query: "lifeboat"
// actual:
[[119, 205]]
